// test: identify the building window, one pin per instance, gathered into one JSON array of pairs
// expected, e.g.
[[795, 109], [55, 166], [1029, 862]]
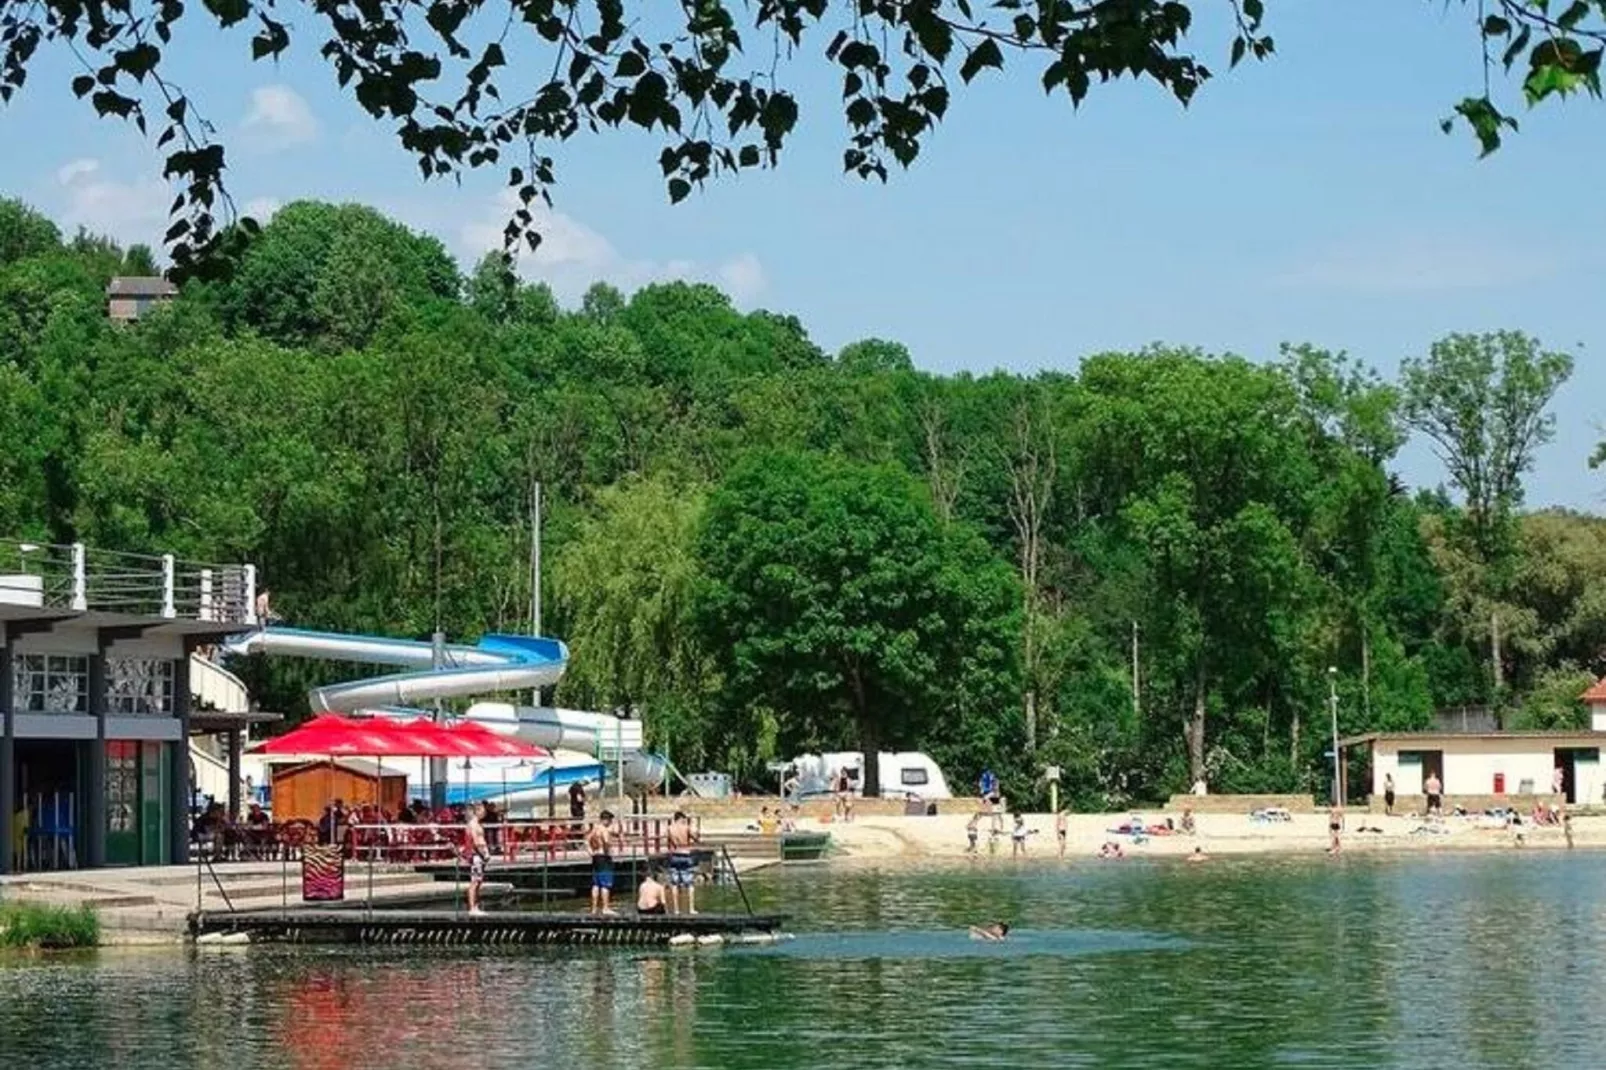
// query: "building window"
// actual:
[[913, 777], [139, 687], [51, 683]]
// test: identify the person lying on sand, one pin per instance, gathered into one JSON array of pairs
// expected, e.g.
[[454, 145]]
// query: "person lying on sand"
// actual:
[[996, 931]]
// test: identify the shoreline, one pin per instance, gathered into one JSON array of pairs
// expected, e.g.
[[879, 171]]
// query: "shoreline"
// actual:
[[943, 837]]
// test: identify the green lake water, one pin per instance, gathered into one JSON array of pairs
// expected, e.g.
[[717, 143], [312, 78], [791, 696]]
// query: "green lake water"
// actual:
[[1443, 962]]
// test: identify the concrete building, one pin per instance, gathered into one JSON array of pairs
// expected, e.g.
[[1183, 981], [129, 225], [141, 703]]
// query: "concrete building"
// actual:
[[128, 297], [96, 691]]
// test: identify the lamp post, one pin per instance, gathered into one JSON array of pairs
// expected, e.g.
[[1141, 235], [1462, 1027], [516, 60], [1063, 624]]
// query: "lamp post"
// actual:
[[1332, 701]]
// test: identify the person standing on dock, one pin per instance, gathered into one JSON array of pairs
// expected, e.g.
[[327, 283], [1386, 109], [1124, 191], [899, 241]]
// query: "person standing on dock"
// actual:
[[682, 867], [478, 852], [600, 840]]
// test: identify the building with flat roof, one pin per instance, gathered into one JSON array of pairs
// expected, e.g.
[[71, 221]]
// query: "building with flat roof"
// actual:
[[1480, 765], [97, 695]]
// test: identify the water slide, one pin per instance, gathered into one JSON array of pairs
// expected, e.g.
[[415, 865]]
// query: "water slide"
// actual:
[[495, 663]]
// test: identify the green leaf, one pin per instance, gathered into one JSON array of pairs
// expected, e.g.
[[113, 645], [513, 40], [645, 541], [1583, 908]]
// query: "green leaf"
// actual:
[[631, 65], [985, 54], [139, 61], [678, 189]]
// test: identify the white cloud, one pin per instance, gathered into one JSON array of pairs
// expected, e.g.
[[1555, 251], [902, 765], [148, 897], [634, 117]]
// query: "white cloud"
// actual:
[[75, 170], [742, 277], [572, 256], [262, 209], [1415, 264], [278, 119], [133, 211]]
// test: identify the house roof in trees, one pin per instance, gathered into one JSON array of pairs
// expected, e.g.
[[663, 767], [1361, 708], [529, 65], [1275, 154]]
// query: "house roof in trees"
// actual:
[[1592, 738], [1596, 693], [140, 286]]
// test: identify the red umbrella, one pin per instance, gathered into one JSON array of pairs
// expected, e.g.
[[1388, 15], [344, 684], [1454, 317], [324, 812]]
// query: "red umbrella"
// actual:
[[368, 737]]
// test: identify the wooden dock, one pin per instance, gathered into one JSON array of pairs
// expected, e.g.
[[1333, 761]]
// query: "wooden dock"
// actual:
[[385, 926]]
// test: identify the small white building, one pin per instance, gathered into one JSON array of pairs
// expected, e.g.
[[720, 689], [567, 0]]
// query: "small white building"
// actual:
[[1489, 765]]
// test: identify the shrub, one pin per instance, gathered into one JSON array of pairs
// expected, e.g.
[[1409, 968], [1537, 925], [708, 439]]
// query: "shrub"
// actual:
[[42, 925]]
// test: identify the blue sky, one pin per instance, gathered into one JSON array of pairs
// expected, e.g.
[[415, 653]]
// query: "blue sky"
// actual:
[[1312, 198]]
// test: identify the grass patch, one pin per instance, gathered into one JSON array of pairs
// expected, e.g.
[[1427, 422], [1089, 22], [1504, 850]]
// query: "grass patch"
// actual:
[[41, 925]]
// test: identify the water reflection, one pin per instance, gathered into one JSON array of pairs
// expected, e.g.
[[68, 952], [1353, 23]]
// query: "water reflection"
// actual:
[[1458, 962]]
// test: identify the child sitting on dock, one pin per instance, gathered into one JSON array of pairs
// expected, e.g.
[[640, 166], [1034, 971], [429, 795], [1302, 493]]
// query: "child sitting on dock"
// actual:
[[650, 895]]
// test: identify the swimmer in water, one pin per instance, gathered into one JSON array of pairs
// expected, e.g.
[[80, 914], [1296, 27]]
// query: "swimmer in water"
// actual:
[[996, 931]]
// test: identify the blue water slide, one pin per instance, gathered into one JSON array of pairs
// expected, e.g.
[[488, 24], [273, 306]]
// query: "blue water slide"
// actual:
[[495, 663]]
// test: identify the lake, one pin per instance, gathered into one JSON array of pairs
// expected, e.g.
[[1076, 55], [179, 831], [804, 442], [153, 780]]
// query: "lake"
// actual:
[[1443, 961]]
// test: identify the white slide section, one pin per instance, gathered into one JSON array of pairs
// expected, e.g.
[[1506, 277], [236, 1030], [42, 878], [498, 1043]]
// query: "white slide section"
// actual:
[[496, 663], [615, 741]]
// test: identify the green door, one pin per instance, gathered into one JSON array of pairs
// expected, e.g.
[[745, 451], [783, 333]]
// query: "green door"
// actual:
[[153, 803]]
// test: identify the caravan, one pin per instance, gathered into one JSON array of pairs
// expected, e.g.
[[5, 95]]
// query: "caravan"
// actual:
[[904, 774]]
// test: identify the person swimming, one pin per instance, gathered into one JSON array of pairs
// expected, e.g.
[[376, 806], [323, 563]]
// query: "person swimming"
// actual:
[[996, 931]]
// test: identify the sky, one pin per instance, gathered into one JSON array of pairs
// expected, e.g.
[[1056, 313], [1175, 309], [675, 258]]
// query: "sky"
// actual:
[[1308, 199]]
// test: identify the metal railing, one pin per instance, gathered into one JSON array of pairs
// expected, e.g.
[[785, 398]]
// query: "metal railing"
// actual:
[[79, 578], [399, 848]]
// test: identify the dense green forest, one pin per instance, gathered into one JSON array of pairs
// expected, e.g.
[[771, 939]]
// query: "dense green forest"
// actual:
[[1141, 571]]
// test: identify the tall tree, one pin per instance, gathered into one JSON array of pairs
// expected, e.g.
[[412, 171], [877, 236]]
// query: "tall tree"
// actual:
[[448, 86], [1483, 400], [624, 584], [836, 598]]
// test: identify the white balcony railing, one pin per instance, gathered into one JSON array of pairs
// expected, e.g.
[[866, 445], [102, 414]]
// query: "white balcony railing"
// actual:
[[81, 579]]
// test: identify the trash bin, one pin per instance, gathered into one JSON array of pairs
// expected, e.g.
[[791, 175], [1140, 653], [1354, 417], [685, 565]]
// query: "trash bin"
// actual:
[[1500, 783], [323, 874]]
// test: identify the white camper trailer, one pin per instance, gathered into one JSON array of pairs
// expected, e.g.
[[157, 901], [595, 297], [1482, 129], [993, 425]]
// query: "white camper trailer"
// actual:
[[904, 774]]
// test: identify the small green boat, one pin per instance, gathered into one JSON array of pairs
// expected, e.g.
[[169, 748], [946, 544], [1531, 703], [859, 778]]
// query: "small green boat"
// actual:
[[804, 846]]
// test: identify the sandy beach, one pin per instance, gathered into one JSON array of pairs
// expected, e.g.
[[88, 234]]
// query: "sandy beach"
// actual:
[[874, 838]]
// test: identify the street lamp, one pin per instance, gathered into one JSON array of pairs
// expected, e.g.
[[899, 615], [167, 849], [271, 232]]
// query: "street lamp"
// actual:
[[1332, 701]]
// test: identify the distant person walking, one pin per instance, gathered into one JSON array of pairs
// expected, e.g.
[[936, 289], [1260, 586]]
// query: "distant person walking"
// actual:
[[1060, 831], [1335, 828], [1388, 794], [843, 788], [1433, 787], [1018, 836]]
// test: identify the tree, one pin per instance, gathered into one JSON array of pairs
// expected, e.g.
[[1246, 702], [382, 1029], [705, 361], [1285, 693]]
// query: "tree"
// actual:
[[1483, 400], [331, 274], [836, 598], [624, 582], [24, 232], [440, 73]]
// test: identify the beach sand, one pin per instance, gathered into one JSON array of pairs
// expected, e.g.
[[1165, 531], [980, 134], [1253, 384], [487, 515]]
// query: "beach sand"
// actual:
[[878, 838]]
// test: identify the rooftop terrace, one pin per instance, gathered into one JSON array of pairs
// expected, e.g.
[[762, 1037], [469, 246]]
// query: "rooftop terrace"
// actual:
[[44, 581]]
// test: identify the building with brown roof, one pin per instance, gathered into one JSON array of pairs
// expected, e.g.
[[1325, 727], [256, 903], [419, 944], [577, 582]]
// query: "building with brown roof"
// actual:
[[128, 297]]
